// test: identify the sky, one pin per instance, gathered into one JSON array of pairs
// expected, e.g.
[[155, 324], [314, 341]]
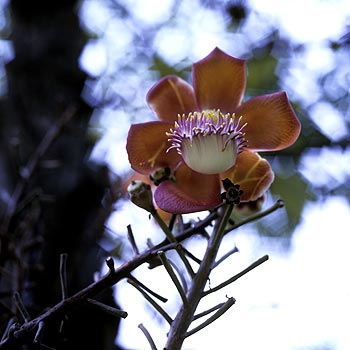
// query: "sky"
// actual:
[[295, 301]]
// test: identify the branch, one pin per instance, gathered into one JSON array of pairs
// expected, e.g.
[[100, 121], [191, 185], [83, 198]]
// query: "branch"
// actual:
[[278, 205], [148, 336], [196, 229], [111, 278], [28, 170], [212, 318], [156, 306], [183, 319], [172, 275], [238, 275]]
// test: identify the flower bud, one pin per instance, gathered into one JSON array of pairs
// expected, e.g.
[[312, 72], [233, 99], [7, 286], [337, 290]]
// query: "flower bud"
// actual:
[[233, 192], [160, 175], [141, 195]]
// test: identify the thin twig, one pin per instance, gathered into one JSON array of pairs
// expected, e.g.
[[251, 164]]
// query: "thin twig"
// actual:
[[172, 222], [132, 240], [207, 312], [39, 333], [187, 264], [108, 309], [63, 275], [20, 306], [196, 229], [238, 275], [152, 302], [225, 256], [9, 326], [31, 166], [212, 318], [278, 205], [180, 274], [169, 235], [148, 290], [148, 336], [172, 275], [110, 264], [191, 256]]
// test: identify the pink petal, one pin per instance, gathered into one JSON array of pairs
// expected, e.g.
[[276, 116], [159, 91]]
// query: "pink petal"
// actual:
[[219, 81], [147, 145], [272, 123], [171, 96], [190, 193]]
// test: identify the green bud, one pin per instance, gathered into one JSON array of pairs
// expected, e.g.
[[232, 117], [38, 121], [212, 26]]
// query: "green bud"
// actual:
[[162, 174], [141, 195]]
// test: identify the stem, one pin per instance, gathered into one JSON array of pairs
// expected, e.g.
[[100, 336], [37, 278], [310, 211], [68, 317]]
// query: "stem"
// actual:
[[148, 336], [108, 309], [151, 301], [148, 290], [20, 306], [207, 312], [183, 319], [224, 257], [169, 235], [39, 333], [278, 205], [172, 275], [132, 240], [238, 275], [63, 275], [198, 228], [212, 318]]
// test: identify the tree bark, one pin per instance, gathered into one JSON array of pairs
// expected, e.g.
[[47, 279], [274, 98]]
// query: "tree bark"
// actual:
[[51, 194]]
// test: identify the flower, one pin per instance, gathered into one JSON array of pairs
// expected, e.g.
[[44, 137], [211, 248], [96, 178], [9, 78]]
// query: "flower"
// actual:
[[206, 134]]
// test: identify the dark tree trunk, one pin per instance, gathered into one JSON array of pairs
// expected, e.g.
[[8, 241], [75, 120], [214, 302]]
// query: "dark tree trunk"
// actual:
[[54, 205]]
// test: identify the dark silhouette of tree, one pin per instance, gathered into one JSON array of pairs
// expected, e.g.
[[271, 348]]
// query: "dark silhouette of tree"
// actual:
[[54, 200]]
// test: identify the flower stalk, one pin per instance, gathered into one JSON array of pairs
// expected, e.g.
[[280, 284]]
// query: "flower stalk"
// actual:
[[172, 275], [169, 235]]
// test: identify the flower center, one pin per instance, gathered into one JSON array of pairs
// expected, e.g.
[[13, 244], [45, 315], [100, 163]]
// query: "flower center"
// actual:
[[208, 141]]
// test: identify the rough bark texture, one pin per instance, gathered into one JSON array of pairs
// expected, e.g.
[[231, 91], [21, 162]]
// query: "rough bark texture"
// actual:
[[58, 208]]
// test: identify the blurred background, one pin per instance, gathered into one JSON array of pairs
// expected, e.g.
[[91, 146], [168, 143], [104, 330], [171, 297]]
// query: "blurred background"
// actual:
[[93, 62]]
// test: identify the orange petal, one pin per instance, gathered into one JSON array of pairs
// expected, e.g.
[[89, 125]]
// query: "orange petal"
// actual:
[[219, 81], [147, 144], [272, 123], [171, 96], [252, 173], [190, 193]]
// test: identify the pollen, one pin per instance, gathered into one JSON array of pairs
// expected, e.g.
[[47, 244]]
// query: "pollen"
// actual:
[[208, 141]]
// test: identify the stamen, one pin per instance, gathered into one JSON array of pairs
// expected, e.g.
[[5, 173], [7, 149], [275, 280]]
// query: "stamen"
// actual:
[[208, 141]]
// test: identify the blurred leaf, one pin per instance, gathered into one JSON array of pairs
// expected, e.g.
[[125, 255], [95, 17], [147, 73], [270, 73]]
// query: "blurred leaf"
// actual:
[[294, 191], [261, 73], [163, 69]]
